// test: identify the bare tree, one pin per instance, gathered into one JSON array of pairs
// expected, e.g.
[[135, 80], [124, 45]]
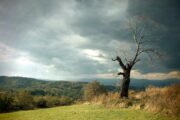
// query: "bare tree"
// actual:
[[137, 31]]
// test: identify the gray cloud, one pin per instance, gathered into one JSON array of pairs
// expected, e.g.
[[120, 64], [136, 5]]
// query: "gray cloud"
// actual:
[[167, 14], [53, 35]]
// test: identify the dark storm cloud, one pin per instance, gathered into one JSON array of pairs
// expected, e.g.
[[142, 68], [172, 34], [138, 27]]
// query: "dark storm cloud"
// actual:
[[18, 15], [167, 14], [101, 20], [66, 39]]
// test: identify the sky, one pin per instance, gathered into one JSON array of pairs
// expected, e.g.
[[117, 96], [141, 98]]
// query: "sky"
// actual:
[[76, 39]]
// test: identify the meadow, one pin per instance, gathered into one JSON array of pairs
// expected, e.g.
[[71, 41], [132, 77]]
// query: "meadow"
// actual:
[[84, 112]]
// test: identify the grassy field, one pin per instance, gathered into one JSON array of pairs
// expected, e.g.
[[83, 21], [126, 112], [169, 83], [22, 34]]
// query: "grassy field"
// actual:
[[83, 112]]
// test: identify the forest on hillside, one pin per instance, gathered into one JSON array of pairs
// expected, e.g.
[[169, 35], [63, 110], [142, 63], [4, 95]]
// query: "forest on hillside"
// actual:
[[18, 93]]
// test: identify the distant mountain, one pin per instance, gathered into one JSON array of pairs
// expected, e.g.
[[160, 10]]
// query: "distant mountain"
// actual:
[[19, 82], [23, 82], [136, 83], [71, 89]]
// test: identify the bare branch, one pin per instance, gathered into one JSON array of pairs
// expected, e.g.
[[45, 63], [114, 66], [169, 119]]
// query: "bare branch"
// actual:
[[137, 29], [136, 55], [137, 60], [147, 50], [120, 73], [120, 62]]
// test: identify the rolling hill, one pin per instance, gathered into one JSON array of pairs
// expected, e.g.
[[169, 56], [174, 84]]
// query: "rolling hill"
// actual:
[[23, 82]]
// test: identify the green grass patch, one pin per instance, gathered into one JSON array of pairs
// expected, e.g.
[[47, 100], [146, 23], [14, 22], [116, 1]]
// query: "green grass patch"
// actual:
[[83, 112]]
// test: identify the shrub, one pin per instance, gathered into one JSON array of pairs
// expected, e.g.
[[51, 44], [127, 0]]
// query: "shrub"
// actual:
[[6, 101], [93, 89], [52, 101], [23, 100], [40, 102], [65, 100]]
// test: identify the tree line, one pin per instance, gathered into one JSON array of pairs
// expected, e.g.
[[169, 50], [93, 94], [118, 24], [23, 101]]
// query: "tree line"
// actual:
[[13, 100]]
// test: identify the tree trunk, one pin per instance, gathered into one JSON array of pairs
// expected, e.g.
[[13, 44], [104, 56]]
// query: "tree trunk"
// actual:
[[125, 85]]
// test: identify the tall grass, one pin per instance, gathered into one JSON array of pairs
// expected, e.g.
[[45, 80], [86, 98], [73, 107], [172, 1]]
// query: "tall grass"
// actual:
[[165, 100], [160, 100]]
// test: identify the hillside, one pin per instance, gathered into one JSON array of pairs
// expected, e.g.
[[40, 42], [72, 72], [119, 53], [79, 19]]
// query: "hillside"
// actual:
[[23, 82], [136, 83], [82, 112], [72, 89], [41, 87]]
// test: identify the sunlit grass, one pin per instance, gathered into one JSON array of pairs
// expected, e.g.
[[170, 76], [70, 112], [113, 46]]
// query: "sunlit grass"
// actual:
[[82, 112]]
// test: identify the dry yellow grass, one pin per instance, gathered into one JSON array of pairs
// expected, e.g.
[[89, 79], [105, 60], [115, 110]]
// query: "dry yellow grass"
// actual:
[[165, 100], [160, 100]]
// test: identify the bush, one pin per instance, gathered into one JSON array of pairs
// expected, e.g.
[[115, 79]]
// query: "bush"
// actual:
[[93, 89], [65, 100], [23, 100], [51, 101], [40, 102], [6, 102]]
